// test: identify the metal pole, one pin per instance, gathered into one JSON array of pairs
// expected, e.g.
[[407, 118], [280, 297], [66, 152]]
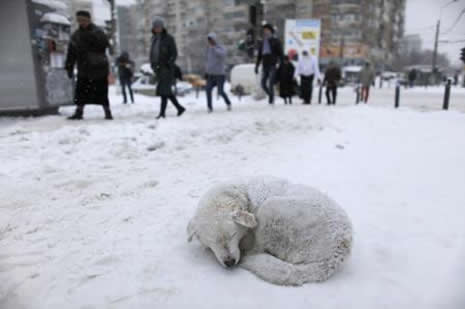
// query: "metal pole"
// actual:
[[445, 105], [397, 100], [114, 32], [357, 95], [341, 49], [320, 93], [435, 53]]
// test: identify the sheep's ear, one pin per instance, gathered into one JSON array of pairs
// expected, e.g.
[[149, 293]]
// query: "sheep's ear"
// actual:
[[190, 231], [245, 219]]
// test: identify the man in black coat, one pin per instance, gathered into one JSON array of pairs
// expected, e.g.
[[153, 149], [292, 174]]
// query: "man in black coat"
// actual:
[[163, 54], [333, 76], [87, 49], [270, 54], [125, 72]]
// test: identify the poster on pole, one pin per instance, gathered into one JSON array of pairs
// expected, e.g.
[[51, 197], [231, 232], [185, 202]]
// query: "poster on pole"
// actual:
[[302, 34]]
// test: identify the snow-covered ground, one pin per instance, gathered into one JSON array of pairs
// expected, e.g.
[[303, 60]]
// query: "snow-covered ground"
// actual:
[[93, 213]]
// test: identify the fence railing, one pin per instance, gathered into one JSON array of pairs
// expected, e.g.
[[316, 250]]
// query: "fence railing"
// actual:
[[397, 95]]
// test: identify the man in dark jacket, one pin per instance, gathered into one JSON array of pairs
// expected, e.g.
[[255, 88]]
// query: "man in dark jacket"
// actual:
[[87, 49], [333, 76], [163, 54], [270, 54], [412, 76], [125, 72]]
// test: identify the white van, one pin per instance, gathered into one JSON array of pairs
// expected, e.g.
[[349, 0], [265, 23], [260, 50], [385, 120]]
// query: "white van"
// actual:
[[244, 75]]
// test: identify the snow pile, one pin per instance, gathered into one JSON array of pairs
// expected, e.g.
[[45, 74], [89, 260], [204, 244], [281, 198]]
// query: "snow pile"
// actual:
[[55, 18], [93, 214], [55, 4], [146, 68]]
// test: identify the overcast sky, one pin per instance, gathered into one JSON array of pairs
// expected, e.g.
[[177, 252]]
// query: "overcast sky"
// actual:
[[421, 18]]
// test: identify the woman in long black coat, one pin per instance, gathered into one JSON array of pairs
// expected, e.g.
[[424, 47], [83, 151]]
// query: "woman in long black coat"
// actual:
[[163, 54], [87, 50], [285, 77]]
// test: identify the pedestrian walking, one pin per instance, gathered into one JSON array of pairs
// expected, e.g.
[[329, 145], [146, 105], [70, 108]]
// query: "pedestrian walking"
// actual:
[[285, 77], [163, 54], [87, 49], [367, 77], [126, 72], [270, 54], [412, 77], [333, 76], [307, 69], [215, 71]]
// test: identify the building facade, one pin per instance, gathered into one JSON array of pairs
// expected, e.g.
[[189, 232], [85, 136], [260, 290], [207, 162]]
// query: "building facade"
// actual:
[[189, 21], [411, 43], [353, 31], [127, 30]]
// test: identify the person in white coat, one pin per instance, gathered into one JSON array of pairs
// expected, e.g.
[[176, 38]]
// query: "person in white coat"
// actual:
[[307, 69]]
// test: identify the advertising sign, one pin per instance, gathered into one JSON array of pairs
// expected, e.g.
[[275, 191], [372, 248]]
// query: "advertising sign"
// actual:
[[352, 51], [302, 34]]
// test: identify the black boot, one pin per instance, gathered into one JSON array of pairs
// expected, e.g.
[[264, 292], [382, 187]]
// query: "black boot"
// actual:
[[107, 111], [178, 106], [75, 117], [164, 103], [181, 111], [77, 114]]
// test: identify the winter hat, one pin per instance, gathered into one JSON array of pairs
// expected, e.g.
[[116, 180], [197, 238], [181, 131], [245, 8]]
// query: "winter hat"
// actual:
[[268, 26], [212, 36], [158, 22], [83, 13]]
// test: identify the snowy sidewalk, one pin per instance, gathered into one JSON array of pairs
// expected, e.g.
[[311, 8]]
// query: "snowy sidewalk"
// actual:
[[93, 213]]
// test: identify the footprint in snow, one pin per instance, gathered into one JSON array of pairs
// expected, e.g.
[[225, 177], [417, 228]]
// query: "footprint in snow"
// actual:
[[156, 146]]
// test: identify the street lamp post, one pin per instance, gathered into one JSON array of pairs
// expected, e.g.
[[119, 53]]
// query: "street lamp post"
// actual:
[[264, 8], [436, 41], [113, 34], [257, 20]]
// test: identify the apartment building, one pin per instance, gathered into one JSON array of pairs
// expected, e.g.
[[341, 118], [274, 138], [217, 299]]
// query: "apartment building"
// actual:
[[352, 30]]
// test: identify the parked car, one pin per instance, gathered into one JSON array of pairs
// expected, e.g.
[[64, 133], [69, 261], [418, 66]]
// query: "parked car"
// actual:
[[145, 83], [183, 88], [351, 74], [243, 76], [388, 75]]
